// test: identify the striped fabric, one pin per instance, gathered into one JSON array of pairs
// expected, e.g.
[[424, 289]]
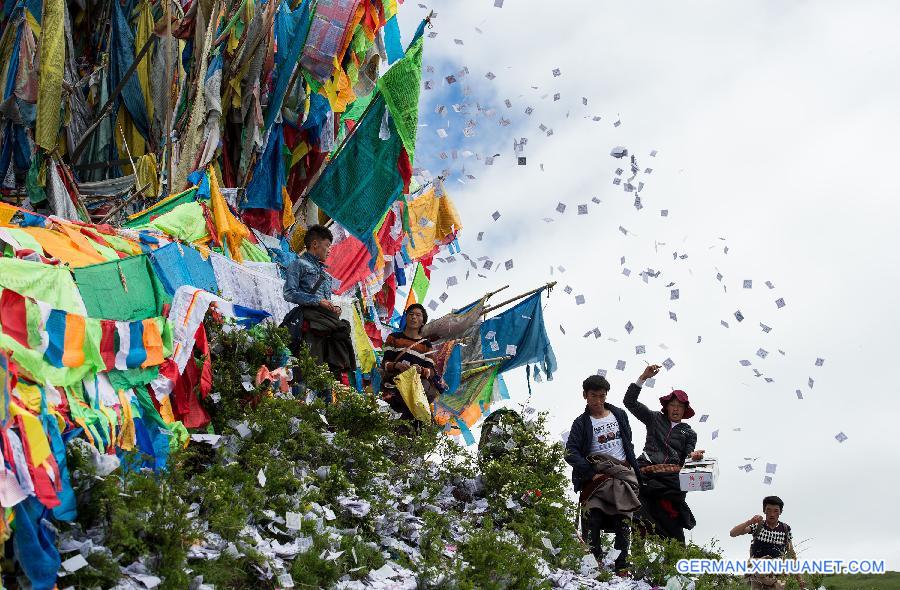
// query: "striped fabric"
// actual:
[[398, 348]]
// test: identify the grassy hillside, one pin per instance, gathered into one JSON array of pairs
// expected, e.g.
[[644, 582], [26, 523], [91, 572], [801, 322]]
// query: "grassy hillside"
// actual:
[[888, 581]]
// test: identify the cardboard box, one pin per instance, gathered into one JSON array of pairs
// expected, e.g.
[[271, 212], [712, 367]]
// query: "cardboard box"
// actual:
[[699, 476]]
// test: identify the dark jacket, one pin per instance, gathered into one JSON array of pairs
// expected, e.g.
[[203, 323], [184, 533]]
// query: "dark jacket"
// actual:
[[578, 447], [665, 443]]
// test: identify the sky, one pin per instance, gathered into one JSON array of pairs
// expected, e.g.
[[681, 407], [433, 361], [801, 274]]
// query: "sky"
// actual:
[[775, 125]]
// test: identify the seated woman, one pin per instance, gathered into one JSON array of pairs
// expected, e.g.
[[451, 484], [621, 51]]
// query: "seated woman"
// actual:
[[406, 349], [670, 442]]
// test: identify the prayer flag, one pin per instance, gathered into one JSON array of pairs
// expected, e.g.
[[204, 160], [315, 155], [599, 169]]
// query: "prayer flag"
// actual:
[[359, 185]]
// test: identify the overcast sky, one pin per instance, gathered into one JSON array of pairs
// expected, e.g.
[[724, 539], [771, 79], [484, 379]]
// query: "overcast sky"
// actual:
[[776, 127]]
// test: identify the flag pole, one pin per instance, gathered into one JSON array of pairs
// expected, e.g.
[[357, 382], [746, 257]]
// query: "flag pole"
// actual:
[[548, 286]]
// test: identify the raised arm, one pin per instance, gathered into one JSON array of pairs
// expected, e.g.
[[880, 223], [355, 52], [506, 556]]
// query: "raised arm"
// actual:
[[640, 411], [746, 526]]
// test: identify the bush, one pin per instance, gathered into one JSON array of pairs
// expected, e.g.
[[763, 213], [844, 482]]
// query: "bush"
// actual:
[[423, 490]]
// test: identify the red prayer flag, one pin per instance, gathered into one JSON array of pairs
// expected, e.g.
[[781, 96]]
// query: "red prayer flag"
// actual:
[[12, 316]]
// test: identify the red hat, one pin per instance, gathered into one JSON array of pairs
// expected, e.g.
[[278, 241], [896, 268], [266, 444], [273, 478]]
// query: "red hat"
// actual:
[[680, 396]]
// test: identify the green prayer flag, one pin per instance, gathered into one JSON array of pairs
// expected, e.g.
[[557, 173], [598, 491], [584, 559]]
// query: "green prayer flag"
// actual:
[[400, 87], [184, 222], [420, 283], [359, 185], [126, 289], [161, 208], [44, 282], [478, 388], [131, 378]]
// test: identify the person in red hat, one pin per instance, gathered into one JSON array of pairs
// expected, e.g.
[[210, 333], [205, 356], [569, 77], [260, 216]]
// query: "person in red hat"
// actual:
[[670, 442]]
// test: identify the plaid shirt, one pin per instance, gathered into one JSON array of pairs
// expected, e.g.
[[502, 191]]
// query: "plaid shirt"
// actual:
[[302, 276]]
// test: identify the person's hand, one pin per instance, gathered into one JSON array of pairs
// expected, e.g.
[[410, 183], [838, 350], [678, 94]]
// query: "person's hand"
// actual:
[[757, 519], [649, 372], [697, 455], [402, 366], [330, 306], [426, 372]]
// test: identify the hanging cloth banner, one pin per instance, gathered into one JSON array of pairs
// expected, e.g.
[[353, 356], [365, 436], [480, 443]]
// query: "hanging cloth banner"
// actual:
[[291, 30], [361, 183], [519, 332], [53, 55], [121, 58], [61, 347], [400, 86], [189, 307]]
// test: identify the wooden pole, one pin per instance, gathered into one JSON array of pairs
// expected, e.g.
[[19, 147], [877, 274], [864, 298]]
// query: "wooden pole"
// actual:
[[485, 361], [123, 204], [492, 293], [170, 160], [518, 297]]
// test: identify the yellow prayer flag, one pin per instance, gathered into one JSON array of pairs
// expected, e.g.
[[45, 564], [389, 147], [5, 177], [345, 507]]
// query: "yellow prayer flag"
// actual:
[[432, 220], [409, 383], [34, 434], [53, 54], [230, 230]]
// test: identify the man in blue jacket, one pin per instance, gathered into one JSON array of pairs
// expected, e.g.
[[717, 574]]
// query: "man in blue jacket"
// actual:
[[602, 435]]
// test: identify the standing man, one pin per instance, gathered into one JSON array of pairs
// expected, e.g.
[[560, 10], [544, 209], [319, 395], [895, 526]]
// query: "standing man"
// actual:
[[604, 470], [772, 539], [316, 320]]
